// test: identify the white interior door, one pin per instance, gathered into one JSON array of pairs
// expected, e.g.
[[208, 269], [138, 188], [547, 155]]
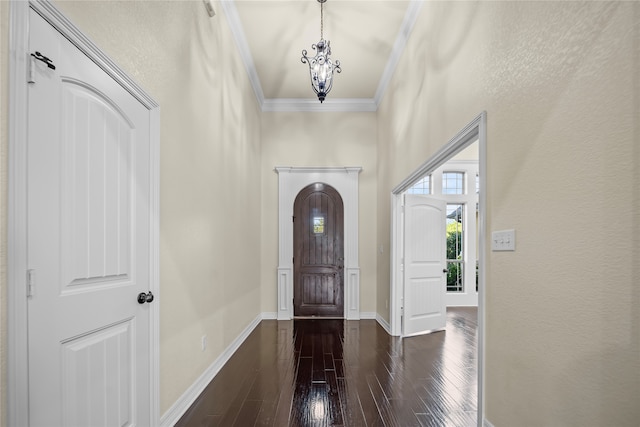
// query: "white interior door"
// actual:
[[424, 265], [88, 246]]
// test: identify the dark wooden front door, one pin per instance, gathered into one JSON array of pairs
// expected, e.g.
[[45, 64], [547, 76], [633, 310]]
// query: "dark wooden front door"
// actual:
[[318, 252]]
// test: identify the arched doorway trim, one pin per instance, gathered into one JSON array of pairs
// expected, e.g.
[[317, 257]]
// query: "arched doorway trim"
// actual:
[[290, 181]]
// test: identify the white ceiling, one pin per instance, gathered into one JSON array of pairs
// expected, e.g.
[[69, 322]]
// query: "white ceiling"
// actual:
[[366, 36]]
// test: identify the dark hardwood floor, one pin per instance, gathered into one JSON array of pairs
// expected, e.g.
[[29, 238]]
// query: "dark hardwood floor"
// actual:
[[345, 373]]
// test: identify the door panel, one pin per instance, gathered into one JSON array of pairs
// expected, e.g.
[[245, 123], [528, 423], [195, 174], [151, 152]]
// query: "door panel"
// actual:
[[97, 176], [318, 252], [88, 246], [101, 360], [424, 265]]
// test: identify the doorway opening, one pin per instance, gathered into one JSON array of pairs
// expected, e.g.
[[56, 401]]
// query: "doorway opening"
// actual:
[[457, 183], [474, 132]]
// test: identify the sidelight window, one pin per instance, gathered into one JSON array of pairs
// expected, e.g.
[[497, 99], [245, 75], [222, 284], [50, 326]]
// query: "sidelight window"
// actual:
[[455, 249]]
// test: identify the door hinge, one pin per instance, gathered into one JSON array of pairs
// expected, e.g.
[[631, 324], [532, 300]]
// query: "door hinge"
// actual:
[[31, 283], [32, 65], [293, 218], [32, 69]]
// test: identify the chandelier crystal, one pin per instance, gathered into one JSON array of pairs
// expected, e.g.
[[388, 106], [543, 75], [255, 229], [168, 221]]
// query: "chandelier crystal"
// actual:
[[321, 67]]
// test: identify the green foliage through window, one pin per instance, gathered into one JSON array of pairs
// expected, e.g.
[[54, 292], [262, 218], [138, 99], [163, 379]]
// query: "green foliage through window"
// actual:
[[455, 261]]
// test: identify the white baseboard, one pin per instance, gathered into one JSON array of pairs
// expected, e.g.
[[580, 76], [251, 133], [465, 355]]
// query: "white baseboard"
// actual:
[[368, 315], [178, 409], [269, 315], [385, 325]]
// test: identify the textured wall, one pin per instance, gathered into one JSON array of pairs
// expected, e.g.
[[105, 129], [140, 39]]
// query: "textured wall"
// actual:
[[209, 172], [559, 82], [319, 139]]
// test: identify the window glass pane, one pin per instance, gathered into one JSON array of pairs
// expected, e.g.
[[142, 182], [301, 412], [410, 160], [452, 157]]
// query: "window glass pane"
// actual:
[[455, 282], [455, 250], [452, 183], [421, 187], [318, 225]]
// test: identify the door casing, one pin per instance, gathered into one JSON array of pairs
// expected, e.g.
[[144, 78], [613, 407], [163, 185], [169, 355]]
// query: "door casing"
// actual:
[[17, 381], [472, 132], [290, 181]]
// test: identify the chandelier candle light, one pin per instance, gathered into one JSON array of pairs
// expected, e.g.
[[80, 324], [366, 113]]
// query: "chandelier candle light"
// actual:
[[321, 67]]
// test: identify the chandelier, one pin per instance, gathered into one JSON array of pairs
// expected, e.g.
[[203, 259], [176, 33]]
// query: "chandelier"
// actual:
[[321, 67]]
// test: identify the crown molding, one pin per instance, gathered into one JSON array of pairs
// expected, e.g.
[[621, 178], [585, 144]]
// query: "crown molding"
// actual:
[[231, 13], [312, 105], [398, 48]]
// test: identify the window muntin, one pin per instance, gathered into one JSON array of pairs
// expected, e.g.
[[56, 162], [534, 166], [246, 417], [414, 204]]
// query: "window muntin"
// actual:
[[421, 187], [452, 182]]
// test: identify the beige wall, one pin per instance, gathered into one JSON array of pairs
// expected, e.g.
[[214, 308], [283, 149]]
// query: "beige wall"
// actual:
[[559, 82], [319, 139], [209, 172]]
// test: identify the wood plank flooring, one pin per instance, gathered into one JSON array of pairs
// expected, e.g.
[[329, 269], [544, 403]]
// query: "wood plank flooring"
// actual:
[[345, 373]]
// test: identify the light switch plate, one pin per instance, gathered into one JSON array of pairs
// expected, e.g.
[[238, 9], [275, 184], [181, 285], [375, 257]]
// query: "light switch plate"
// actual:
[[504, 240]]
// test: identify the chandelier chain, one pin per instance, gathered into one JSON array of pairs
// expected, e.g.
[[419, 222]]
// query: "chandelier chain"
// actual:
[[321, 21]]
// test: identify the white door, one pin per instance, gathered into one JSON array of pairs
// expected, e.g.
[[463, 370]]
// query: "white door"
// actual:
[[424, 265], [88, 243]]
